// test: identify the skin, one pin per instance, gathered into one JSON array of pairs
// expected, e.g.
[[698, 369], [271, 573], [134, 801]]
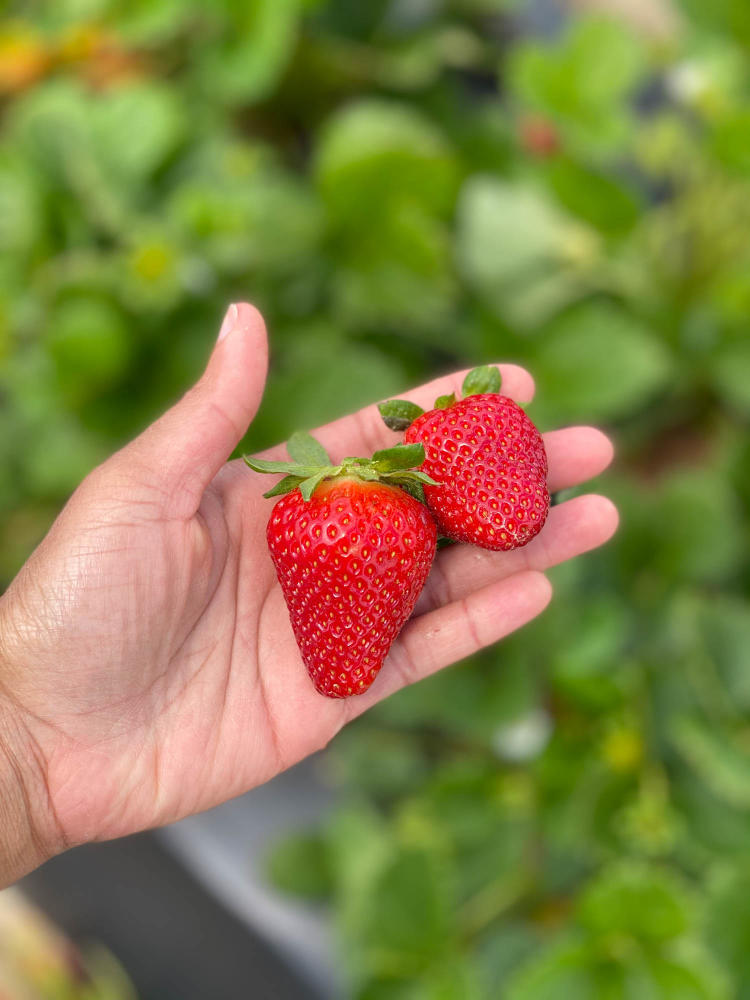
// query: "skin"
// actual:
[[147, 666]]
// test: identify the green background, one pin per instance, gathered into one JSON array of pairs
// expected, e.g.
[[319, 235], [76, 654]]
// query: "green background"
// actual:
[[406, 189]]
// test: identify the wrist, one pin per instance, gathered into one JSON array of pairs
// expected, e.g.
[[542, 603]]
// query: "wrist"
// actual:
[[26, 839]]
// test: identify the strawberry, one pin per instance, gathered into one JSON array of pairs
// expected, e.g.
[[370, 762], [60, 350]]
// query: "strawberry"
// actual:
[[538, 136], [488, 458], [352, 548]]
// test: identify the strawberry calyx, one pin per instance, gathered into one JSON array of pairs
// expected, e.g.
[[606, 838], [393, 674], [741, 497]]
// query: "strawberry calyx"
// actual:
[[311, 465], [398, 414], [482, 380]]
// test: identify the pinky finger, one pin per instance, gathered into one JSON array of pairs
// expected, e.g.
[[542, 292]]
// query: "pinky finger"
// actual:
[[451, 633]]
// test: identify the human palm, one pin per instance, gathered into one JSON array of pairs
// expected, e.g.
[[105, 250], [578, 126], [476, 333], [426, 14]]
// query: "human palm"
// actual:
[[146, 643]]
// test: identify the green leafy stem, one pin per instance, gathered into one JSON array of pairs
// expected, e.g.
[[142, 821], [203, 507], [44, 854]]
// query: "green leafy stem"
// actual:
[[310, 465], [398, 414]]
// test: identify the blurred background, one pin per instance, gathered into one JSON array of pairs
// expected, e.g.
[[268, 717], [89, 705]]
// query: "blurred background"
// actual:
[[405, 187]]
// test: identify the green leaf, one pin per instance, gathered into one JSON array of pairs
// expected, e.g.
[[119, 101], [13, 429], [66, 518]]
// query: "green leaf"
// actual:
[[399, 458], [421, 477], [469, 702], [691, 506], [414, 489], [395, 272], [690, 975], [451, 978], [412, 482], [259, 39], [595, 197], [505, 230], [727, 20], [717, 829], [21, 216], [402, 763], [398, 414], [649, 903], [143, 23], [291, 468], [443, 402], [299, 864], [284, 486], [308, 486], [724, 624], [598, 363], [728, 921], [520, 251], [136, 127], [242, 209], [729, 139], [502, 951], [52, 120], [582, 81], [730, 370], [90, 344], [407, 919], [721, 763], [368, 473], [481, 380], [585, 666], [363, 844], [303, 448], [563, 970], [374, 152]]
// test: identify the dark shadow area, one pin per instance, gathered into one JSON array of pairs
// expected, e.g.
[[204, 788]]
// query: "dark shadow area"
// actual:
[[176, 941]]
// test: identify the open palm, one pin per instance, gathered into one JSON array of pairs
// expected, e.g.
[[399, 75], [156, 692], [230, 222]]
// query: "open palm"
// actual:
[[146, 644]]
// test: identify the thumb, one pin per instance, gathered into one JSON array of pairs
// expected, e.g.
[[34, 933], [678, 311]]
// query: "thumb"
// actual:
[[185, 448]]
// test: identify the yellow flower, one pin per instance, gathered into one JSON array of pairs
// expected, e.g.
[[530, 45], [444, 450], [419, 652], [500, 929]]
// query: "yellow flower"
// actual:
[[623, 748]]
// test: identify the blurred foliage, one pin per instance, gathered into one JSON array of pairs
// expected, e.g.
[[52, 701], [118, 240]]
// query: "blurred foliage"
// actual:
[[405, 188], [37, 962]]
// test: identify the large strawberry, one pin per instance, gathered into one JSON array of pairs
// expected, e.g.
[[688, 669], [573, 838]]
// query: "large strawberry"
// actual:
[[352, 549], [488, 458]]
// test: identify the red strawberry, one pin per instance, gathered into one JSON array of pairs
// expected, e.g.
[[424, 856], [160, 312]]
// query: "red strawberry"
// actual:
[[538, 136], [488, 458], [352, 552]]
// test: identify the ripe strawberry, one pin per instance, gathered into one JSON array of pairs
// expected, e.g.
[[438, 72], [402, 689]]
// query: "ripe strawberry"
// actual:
[[538, 136], [352, 550], [488, 458]]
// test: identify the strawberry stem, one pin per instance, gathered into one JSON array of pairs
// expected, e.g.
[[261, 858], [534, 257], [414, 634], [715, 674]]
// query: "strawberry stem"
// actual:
[[480, 380], [398, 414], [443, 402], [397, 466], [303, 448]]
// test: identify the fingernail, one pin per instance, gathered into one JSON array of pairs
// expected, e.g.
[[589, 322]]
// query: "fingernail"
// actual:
[[229, 323]]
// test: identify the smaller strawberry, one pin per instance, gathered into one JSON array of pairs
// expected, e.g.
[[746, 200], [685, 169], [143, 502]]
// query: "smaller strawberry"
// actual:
[[352, 546], [488, 458], [538, 136]]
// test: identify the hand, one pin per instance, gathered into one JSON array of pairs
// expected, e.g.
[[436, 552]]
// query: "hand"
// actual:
[[147, 666]]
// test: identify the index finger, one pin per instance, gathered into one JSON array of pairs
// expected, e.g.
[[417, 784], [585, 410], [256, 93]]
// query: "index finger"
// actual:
[[364, 432]]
